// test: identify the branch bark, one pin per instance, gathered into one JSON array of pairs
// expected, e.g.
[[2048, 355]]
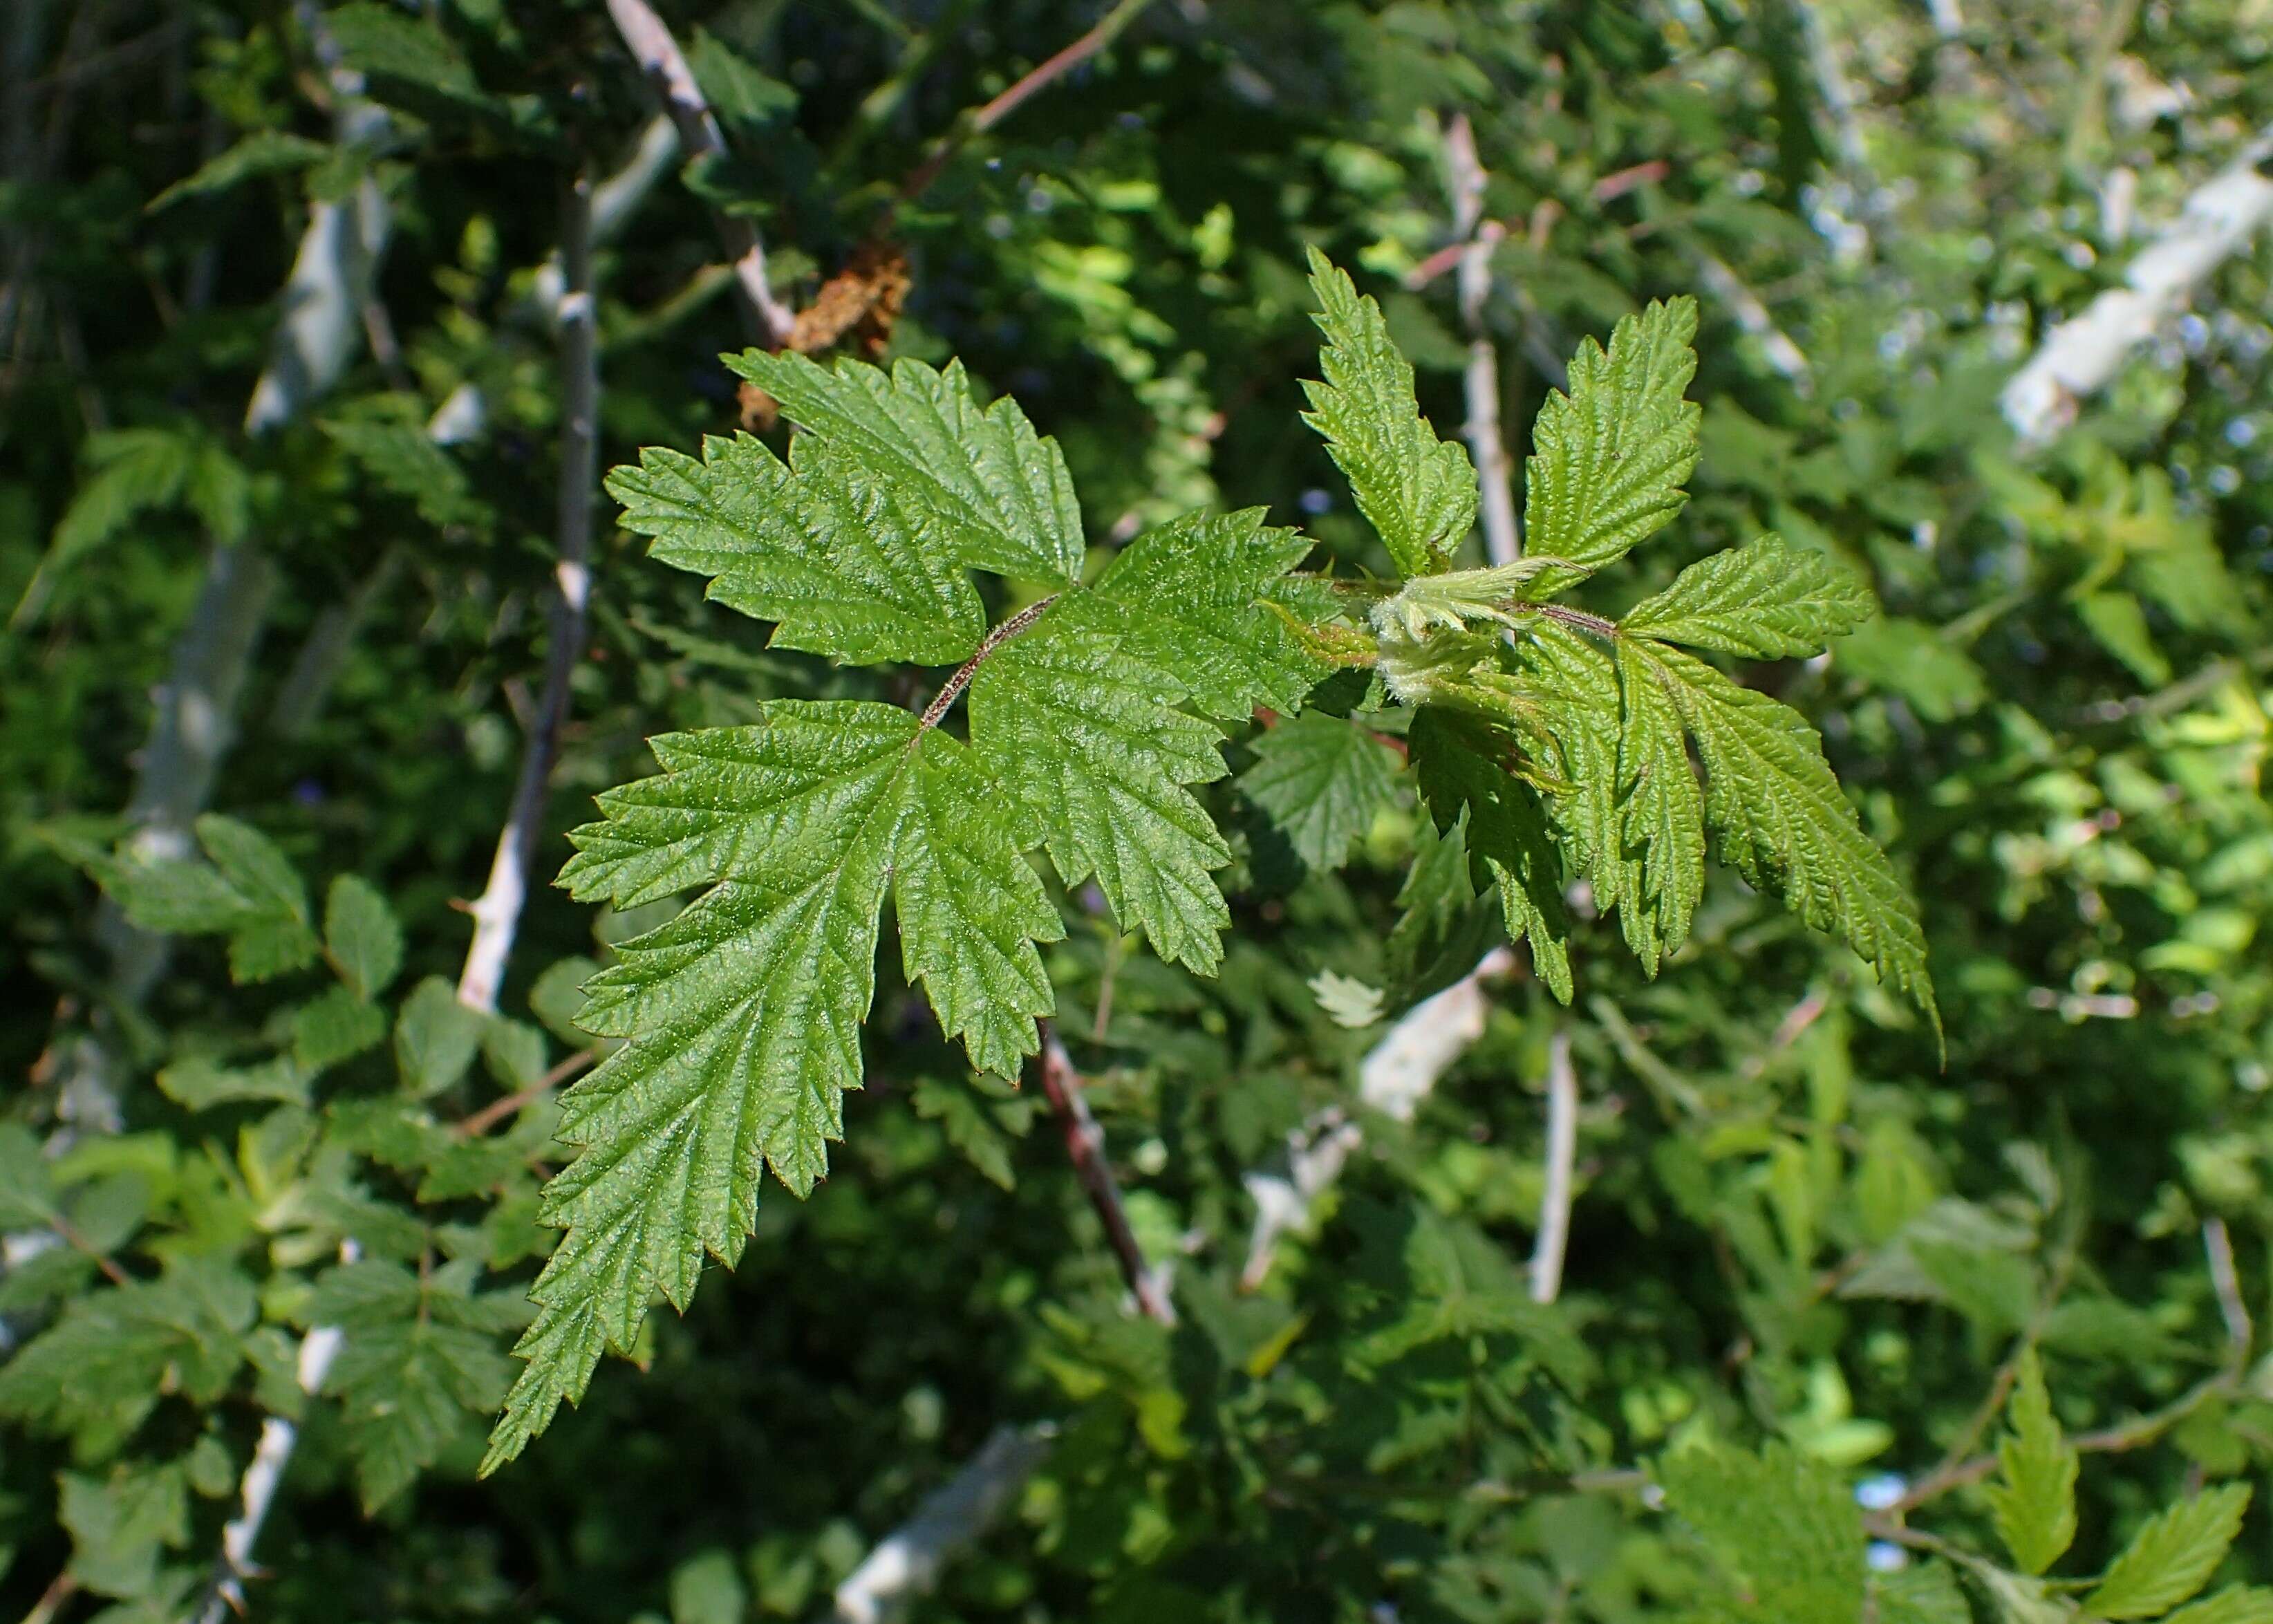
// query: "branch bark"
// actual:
[[1753, 315], [1503, 531], [195, 708], [2080, 355], [257, 1491], [1562, 1154], [1395, 1077], [978, 121], [496, 911], [1062, 1084], [906, 1563], [651, 42]]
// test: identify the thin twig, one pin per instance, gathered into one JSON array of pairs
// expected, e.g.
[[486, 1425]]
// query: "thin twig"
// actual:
[[651, 42], [2137, 1432], [952, 688], [257, 1491], [1085, 1145], [979, 120], [906, 1562], [497, 912], [79, 1243], [1397, 1074], [497, 1110], [60, 1590], [2226, 1283], [2079, 355], [1503, 531], [1562, 1153]]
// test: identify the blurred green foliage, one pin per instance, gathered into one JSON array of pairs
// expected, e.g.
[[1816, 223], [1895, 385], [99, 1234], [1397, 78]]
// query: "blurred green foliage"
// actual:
[[1844, 1332]]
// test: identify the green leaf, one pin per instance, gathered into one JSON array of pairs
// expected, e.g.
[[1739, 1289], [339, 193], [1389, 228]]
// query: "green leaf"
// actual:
[[121, 1523], [1418, 492], [1926, 1593], [1192, 599], [1463, 765], [2033, 1499], [1612, 454], [401, 457], [362, 937], [1322, 780], [411, 62], [1781, 1522], [844, 560], [1786, 825], [200, 1084], [2242, 1605], [333, 1026], [743, 1013], [419, 1364], [2121, 625], [250, 892], [737, 92], [2172, 1556], [1764, 600], [963, 1116], [1455, 1284], [100, 1369], [132, 470], [1347, 1002], [1661, 814], [1091, 743], [26, 1180], [264, 151], [1440, 931], [1910, 659], [1001, 492], [435, 1037]]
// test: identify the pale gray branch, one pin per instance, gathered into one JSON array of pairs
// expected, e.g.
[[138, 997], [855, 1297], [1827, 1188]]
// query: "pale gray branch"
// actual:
[[2080, 355], [906, 1563], [651, 44], [1395, 1077], [1561, 1155], [257, 1490], [1751, 315], [2226, 1281], [1503, 531], [496, 911]]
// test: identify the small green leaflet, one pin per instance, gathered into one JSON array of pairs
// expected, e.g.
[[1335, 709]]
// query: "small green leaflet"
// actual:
[[743, 1013], [1078, 714], [1661, 814], [99, 1370], [1761, 601], [2249, 1604], [120, 1525], [1786, 825], [2172, 1556], [1926, 1593], [1418, 492], [1463, 767], [362, 937], [264, 151], [418, 1363], [999, 491], [1611, 454], [845, 563], [2033, 1499], [1782, 1523], [1322, 779], [248, 891]]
